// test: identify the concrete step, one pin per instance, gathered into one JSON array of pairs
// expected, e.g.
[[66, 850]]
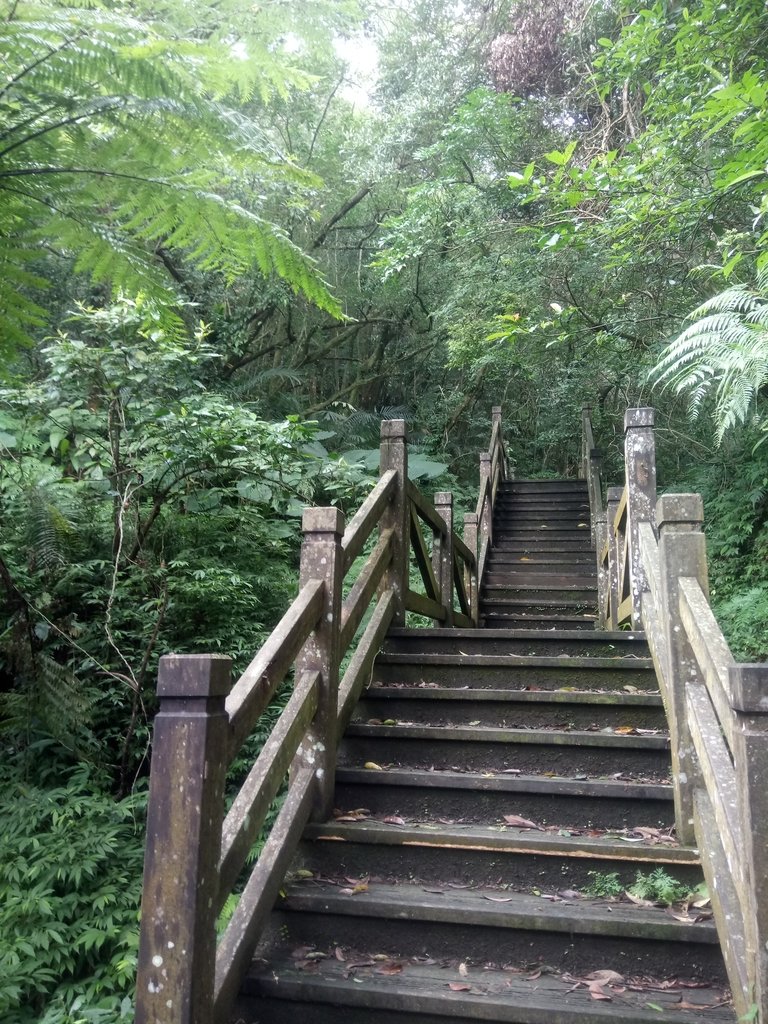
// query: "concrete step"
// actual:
[[540, 621], [484, 748], [510, 709], [443, 853], [515, 671], [482, 925], [480, 798], [423, 991], [529, 642]]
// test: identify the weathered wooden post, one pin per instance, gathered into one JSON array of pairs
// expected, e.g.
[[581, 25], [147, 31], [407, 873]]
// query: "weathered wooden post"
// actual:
[[394, 455], [442, 554], [614, 554], [640, 464], [749, 697], [486, 513], [322, 559], [682, 552], [600, 529], [496, 422], [472, 583], [177, 947]]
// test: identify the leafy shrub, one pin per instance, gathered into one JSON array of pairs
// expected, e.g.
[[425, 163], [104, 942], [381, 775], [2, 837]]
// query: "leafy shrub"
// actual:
[[70, 883]]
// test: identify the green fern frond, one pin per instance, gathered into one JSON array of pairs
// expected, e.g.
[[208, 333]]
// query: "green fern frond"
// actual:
[[723, 354], [110, 142]]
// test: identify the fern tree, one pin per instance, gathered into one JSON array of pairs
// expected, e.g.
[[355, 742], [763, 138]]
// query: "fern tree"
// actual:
[[723, 355], [115, 144]]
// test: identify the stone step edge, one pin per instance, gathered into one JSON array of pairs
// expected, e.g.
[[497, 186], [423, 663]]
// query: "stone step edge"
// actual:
[[469, 908], [421, 990], [516, 661], [487, 734], [602, 635], [422, 778], [501, 839], [588, 697]]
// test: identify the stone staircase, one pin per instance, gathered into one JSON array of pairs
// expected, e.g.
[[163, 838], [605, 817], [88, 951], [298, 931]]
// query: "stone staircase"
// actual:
[[491, 782]]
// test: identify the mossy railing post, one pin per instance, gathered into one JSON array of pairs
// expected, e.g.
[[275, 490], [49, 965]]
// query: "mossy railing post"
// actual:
[[322, 559], [682, 553], [394, 455], [177, 948], [749, 690], [486, 520], [640, 464], [471, 581], [442, 554], [613, 498]]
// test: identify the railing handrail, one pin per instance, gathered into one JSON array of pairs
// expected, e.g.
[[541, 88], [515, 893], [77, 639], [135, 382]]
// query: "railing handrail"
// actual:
[[196, 853], [717, 709]]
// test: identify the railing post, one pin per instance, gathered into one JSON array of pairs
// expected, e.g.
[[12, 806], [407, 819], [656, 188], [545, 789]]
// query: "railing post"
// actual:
[[640, 463], [472, 582], [177, 948], [442, 554], [496, 418], [614, 554], [682, 552], [749, 690], [486, 513], [322, 559], [603, 571], [394, 455], [586, 422]]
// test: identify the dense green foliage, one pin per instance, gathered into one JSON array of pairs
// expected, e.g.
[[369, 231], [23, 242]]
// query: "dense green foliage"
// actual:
[[225, 256]]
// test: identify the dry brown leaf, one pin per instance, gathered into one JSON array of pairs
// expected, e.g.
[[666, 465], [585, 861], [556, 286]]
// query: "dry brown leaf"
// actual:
[[373, 766], [393, 819], [605, 977], [340, 955], [597, 991], [498, 899], [458, 986], [518, 822], [391, 967], [533, 977], [640, 902], [463, 970]]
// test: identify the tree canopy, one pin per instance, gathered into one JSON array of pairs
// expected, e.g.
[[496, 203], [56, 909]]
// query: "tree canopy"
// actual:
[[233, 237]]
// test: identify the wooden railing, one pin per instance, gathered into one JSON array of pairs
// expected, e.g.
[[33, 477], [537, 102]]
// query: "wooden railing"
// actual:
[[494, 470], [717, 709], [198, 853]]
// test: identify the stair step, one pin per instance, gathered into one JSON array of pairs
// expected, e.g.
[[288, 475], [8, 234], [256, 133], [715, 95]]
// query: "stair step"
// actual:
[[421, 994], [472, 797], [517, 671], [521, 581], [563, 486], [433, 852], [507, 709], [612, 646], [471, 925], [544, 546], [579, 566], [483, 748], [536, 602], [540, 621]]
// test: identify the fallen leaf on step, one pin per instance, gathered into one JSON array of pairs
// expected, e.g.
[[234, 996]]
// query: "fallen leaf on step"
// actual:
[[605, 977], [518, 822], [458, 986], [339, 955], [393, 819], [597, 991], [533, 977], [569, 894], [391, 967], [463, 970], [642, 903], [373, 766], [498, 899]]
